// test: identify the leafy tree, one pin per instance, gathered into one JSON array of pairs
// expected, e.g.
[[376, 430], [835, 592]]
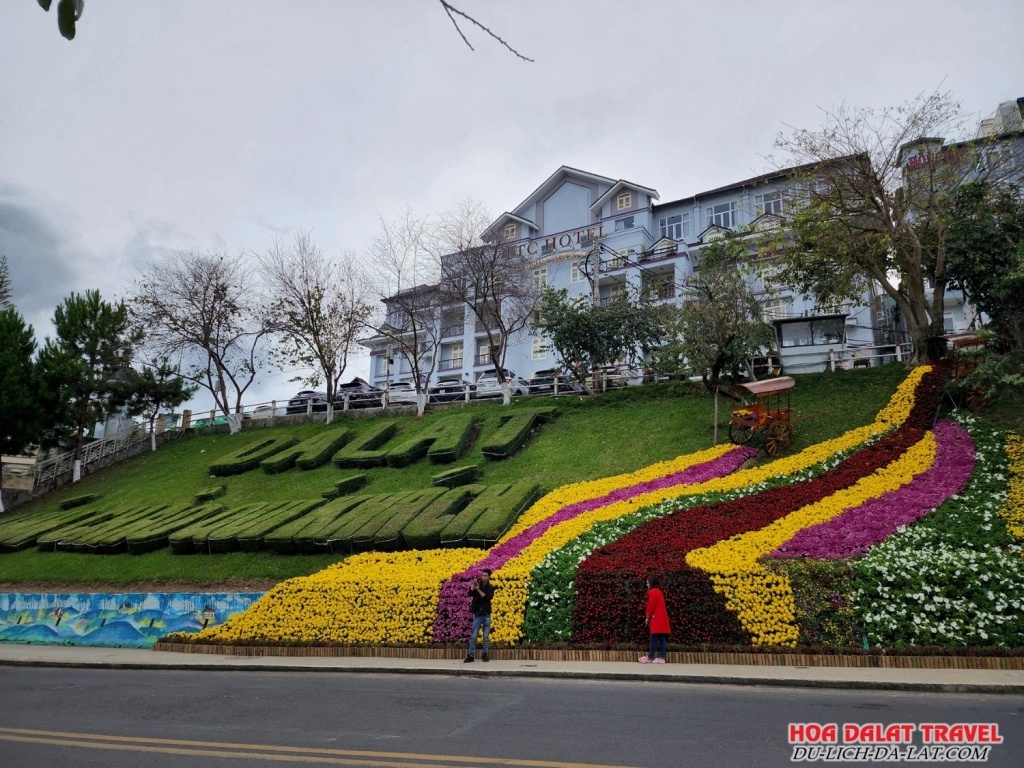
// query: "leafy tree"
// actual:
[[5, 284], [585, 336], [152, 390], [319, 306], [20, 411], [873, 204], [205, 310], [986, 255], [95, 341], [482, 274], [721, 320]]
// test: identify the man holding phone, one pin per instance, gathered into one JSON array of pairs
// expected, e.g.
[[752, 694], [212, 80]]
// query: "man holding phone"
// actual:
[[481, 591]]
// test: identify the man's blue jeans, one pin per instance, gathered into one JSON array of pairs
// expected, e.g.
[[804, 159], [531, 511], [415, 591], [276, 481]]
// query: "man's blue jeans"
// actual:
[[479, 621]]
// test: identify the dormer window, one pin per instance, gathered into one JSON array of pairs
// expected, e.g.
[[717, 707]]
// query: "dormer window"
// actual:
[[624, 201], [509, 232]]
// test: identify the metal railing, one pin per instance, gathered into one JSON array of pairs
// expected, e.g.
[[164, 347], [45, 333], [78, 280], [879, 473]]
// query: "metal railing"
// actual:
[[63, 463]]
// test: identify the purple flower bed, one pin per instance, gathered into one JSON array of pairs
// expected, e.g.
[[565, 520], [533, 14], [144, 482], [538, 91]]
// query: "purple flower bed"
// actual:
[[454, 621], [857, 529]]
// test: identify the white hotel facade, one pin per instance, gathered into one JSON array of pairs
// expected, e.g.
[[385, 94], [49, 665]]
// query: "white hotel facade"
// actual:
[[644, 243]]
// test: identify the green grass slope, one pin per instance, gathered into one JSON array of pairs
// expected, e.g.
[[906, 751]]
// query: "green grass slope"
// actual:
[[593, 437]]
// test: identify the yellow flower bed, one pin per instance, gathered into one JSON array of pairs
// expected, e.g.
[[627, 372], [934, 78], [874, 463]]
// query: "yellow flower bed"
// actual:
[[764, 601], [1013, 508], [369, 598]]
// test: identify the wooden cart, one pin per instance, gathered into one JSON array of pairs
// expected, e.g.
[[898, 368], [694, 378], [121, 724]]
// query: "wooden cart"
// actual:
[[765, 408], [962, 364]]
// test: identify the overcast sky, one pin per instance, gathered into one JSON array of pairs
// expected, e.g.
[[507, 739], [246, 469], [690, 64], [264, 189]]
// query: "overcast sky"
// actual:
[[218, 126]]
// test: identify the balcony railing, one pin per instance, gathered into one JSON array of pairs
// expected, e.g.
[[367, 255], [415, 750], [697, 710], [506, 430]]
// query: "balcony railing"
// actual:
[[483, 359], [452, 330], [448, 365]]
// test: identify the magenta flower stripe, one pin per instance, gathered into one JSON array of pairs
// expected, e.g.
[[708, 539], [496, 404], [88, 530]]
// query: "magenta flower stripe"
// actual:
[[453, 620], [856, 529]]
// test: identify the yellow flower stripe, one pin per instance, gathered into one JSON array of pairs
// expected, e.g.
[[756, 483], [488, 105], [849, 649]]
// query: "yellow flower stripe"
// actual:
[[369, 598], [510, 601], [1013, 508], [574, 493], [764, 601]]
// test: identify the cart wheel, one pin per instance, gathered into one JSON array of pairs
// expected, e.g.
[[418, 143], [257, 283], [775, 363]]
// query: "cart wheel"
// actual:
[[976, 399], [740, 434], [777, 439]]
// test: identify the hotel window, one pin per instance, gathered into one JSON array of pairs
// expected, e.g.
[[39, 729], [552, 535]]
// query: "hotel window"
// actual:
[[540, 278], [676, 227], [723, 215], [769, 202], [538, 349], [578, 274], [624, 223], [510, 232], [624, 201]]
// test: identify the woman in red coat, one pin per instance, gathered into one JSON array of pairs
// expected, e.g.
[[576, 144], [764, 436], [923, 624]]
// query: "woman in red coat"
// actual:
[[657, 623]]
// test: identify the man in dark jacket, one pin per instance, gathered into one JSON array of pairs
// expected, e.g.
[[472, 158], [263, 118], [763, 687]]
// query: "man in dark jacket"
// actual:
[[481, 591]]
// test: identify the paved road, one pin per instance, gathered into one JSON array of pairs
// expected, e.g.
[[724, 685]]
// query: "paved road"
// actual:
[[121, 718]]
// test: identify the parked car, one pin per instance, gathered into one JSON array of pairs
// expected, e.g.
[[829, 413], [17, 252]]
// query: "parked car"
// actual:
[[298, 403], [543, 382], [450, 391], [487, 385], [611, 376], [361, 394], [267, 412], [402, 393]]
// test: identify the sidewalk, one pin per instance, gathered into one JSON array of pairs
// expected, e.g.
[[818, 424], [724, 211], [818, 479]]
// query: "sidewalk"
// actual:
[[947, 680]]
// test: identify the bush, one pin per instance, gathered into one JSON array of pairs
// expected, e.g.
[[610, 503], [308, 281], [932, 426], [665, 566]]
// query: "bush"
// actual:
[[514, 431], [363, 452], [456, 476], [79, 501], [455, 437], [250, 456], [424, 532], [310, 533], [210, 493], [310, 453]]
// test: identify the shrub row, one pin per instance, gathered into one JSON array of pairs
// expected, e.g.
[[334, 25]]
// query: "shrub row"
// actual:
[[79, 501], [309, 454], [453, 440], [210, 493], [100, 536], [243, 527], [309, 533], [22, 531], [514, 432], [364, 452], [250, 456], [456, 476], [345, 485]]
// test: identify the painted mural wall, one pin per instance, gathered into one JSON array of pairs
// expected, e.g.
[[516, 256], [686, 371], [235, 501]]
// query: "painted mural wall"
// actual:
[[115, 620]]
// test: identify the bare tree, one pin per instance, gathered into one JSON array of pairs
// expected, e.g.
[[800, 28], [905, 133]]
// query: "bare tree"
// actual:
[[204, 310], [319, 305], [403, 275], [481, 271], [879, 192]]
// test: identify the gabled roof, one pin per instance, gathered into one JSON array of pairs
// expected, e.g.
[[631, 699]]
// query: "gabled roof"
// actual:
[[502, 220], [553, 180], [712, 228], [616, 188]]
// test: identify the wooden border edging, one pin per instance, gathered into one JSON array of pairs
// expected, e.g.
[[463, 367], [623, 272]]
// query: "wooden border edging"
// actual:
[[674, 657]]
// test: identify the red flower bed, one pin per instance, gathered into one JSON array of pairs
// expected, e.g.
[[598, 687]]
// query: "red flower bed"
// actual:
[[611, 582]]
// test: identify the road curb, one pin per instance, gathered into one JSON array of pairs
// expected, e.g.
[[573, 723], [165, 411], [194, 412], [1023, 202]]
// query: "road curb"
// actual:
[[633, 677]]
